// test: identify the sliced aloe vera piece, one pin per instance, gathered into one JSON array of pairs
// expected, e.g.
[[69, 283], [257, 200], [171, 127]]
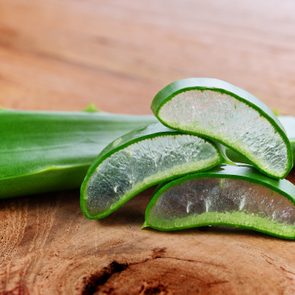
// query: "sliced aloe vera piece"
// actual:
[[288, 123], [229, 115], [139, 160], [226, 196], [51, 151]]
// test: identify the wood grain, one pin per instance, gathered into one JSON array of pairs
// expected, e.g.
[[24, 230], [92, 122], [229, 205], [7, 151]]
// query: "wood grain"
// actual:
[[118, 54]]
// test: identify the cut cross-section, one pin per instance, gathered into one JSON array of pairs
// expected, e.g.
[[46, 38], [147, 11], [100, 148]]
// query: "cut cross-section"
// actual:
[[288, 123], [139, 160], [227, 196], [225, 113]]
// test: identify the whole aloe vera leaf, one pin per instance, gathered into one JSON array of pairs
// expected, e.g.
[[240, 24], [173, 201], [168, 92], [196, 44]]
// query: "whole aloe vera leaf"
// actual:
[[51, 151]]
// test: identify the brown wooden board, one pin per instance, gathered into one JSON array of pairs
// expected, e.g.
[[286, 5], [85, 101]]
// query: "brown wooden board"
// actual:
[[62, 55]]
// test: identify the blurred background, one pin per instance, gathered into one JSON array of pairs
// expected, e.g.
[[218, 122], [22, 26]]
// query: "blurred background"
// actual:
[[65, 54]]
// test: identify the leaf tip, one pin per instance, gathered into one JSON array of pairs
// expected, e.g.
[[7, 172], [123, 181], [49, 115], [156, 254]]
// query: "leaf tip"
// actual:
[[91, 108]]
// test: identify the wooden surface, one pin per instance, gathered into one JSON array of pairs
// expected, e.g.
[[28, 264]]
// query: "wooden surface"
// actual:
[[65, 54]]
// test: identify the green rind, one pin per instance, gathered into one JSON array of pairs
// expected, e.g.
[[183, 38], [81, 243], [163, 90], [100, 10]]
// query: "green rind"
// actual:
[[51, 151], [151, 131], [202, 84], [283, 187], [234, 220]]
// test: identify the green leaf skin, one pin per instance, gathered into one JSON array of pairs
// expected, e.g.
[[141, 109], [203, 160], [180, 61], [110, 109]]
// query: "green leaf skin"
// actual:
[[51, 151], [139, 160], [200, 94], [166, 210], [288, 122]]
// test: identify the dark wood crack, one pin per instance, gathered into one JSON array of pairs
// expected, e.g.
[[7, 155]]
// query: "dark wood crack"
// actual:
[[92, 283]]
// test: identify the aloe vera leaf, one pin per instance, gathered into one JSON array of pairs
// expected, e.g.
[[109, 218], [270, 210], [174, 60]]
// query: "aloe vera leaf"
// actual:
[[288, 123], [229, 115], [139, 160], [51, 151], [226, 196]]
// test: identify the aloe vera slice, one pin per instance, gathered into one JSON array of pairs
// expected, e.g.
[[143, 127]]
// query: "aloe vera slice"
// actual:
[[51, 151], [226, 196], [229, 115], [288, 123], [139, 160]]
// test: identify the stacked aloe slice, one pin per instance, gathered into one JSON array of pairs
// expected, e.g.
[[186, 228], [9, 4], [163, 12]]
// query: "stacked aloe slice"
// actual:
[[203, 123]]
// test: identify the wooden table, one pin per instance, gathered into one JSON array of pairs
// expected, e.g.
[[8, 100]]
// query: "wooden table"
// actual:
[[62, 55]]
